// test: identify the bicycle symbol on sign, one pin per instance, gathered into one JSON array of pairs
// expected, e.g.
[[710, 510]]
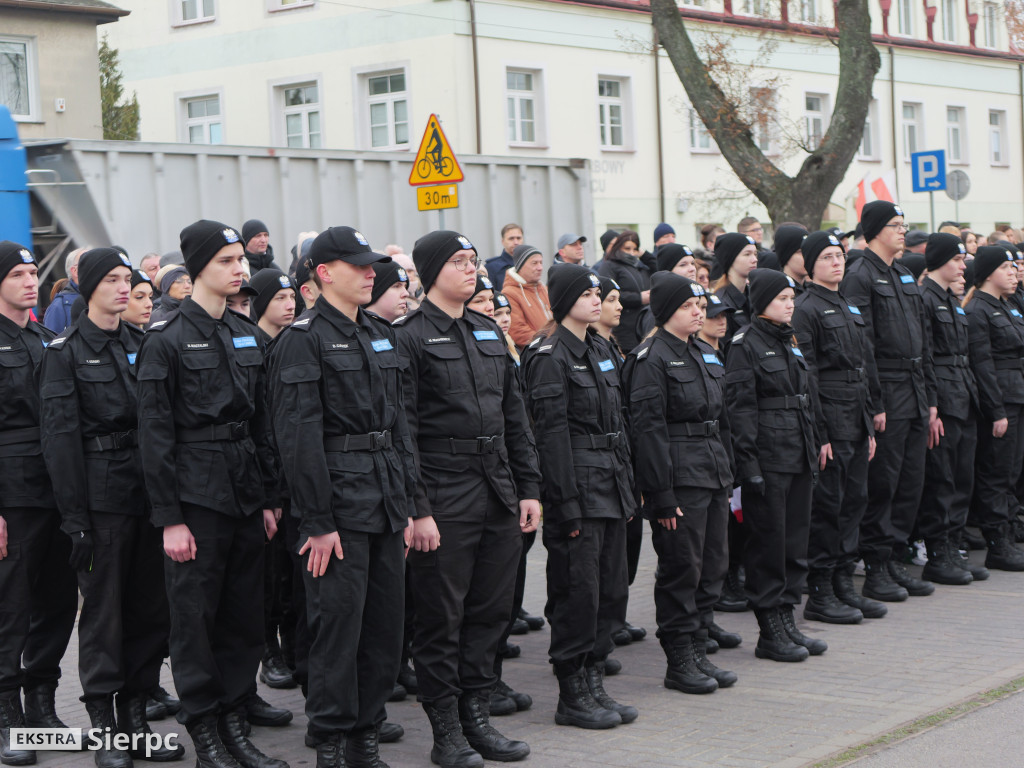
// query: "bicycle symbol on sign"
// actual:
[[435, 160]]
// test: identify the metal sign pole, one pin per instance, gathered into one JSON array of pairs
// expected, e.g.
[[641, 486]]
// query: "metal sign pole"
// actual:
[[931, 202]]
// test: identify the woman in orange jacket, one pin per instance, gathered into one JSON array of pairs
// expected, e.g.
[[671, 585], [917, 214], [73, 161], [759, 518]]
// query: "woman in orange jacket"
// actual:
[[531, 308]]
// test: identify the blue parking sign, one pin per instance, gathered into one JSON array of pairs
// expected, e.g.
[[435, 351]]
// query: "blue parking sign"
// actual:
[[928, 170]]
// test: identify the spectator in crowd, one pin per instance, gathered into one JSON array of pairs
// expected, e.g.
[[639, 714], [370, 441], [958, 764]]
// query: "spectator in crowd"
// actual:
[[258, 251], [664, 234], [511, 237], [150, 264], [531, 309], [58, 314], [623, 265], [175, 286]]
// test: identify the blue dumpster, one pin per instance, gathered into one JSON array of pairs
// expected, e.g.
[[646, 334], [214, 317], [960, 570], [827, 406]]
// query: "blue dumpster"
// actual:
[[15, 220]]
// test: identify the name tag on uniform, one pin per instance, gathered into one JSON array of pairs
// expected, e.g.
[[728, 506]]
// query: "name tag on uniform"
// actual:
[[334, 345], [131, 358], [381, 345], [906, 278], [1015, 312], [797, 352], [606, 365], [675, 363], [854, 310], [242, 342], [960, 311], [6, 348], [711, 358], [188, 346], [485, 335]]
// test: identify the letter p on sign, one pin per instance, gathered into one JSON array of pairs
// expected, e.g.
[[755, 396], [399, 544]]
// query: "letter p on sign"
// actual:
[[929, 170]]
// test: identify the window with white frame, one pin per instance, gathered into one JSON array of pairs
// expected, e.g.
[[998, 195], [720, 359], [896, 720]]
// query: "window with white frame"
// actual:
[[905, 17], [189, 11], [913, 130], [301, 112], [949, 14], [388, 109], [991, 23], [956, 134], [755, 7], [816, 116], [997, 137], [700, 139], [611, 111], [204, 123], [286, 5], [17, 77], [523, 101], [869, 140], [762, 115], [696, 3], [809, 11]]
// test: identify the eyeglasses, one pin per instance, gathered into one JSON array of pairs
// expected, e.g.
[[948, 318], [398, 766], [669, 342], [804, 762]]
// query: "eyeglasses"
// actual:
[[183, 280], [460, 264], [899, 227]]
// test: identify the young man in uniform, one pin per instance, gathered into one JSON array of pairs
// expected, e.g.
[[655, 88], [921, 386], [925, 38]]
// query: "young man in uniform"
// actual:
[[208, 460], [341, 428], [390, 297], [39, 596], [89, 417], [477, 493]]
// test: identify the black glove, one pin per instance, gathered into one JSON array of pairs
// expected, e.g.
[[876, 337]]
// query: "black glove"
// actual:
[[81, 551], [753, 484]]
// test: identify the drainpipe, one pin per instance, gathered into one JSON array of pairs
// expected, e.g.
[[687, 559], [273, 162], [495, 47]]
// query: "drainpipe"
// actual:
[[476, 73], [892, 107], [657, 116]]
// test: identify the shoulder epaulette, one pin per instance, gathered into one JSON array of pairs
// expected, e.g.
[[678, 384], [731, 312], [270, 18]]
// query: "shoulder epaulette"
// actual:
[[303, 323], [543, 346], [738, 337], [66, 334]]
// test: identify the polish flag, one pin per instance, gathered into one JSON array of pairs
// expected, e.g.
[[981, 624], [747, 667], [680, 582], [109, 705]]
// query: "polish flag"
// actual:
[[884, 186], [861, 197]]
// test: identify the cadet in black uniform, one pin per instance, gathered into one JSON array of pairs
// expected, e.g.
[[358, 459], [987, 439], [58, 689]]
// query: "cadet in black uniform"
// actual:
[[37, 610], [902, 394], [208, 459], [477, 492], [949, 468], [340, 423], [574, 396], [830, 332], [996, 337], [769, 400], [680, 435], [88, 417]]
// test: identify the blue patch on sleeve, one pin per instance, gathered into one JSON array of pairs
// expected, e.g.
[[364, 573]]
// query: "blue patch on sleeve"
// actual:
[[381, 345], [960, 311], [854, 310], [711, 358], [241, 342], [1015, 312], [606, 365], [485, 335], [46, 344], [906, 278], [797, 352], [131, 358]]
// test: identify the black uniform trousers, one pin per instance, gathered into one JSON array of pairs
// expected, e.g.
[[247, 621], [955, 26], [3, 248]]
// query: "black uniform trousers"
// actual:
[[839, 502], [303, 639], [216, 604], [634, 543], [38, 598], [278, 610], [355, 615], [895, 483], [949, 481], [462, 592], [517, 598], [123, 628], [997, 467], [587, 591], [778, 525], [692, 563]]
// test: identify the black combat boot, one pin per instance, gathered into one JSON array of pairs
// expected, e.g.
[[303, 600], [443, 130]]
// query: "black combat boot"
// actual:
[[683, 674], [450, 750], [732, 599], [11, 716], [131, 719], [723, 638], [484, 737], [577, 706], [523, 701], [259, 711], [915, 587], [390, 732], [330, 751], [533, 622], [595, 681], [723, 677], [1002, 556], [231, 727], [210, 750], [878, 583], [407, 678], [273, 671], [822, 603], [940, 567], [774, 642], [962, 561], [842, 585], [160, 704], [40, 709], [101, 715], [814, 646], [362, 750]]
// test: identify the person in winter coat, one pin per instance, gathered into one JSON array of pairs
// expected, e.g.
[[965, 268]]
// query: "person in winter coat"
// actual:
[[531, 308], [622, 264]]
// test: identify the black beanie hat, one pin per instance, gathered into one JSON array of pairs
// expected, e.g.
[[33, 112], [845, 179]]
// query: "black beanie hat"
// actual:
[[988, 259], [670, 254], [728, 247], [606, 239], [670, 291], [94, 266], [875, 215], [387, 273], [521, 253], [814, 244], [915, 262], [607, 286], [483, 283], [201, 241], [500, 301], [430, 253], [788, 239], [566, 283], [251, 228], [138, 276], [942, 246], [11, 255], [765, 285], [267, 283]]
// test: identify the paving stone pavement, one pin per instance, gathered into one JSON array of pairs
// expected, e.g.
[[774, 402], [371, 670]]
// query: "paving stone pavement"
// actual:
[[927, 654]]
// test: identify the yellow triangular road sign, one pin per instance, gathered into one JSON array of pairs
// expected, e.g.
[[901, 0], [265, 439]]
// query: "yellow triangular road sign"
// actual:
[[435, 161]]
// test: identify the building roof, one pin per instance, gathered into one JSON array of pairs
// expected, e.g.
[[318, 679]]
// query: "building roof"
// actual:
[[87, 7]]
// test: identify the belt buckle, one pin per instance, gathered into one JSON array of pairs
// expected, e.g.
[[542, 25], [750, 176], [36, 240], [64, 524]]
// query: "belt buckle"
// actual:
[[612, 438], [709, 429], [239, 430], [378, 440], [120, 439], [485, 445]]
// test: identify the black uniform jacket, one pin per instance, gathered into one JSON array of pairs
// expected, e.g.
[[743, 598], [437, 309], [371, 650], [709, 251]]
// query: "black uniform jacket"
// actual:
[[996, 338], [733, 297], [574, 396], [957, 391], [676, 396], [769, 400], [461, 384], [900, 366], [331, 377], [201, 375], [24, 481], [90, 412], [830, 332]]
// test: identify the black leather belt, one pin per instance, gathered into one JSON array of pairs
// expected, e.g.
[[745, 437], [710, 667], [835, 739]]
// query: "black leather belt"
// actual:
[[236, 430], [1009, 364], [787, 403], [14, 436], [899, 364], [694, 429], [473, 446], [112, 442], [597, 442], [372, 442], [842, 377], [956, 361]]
